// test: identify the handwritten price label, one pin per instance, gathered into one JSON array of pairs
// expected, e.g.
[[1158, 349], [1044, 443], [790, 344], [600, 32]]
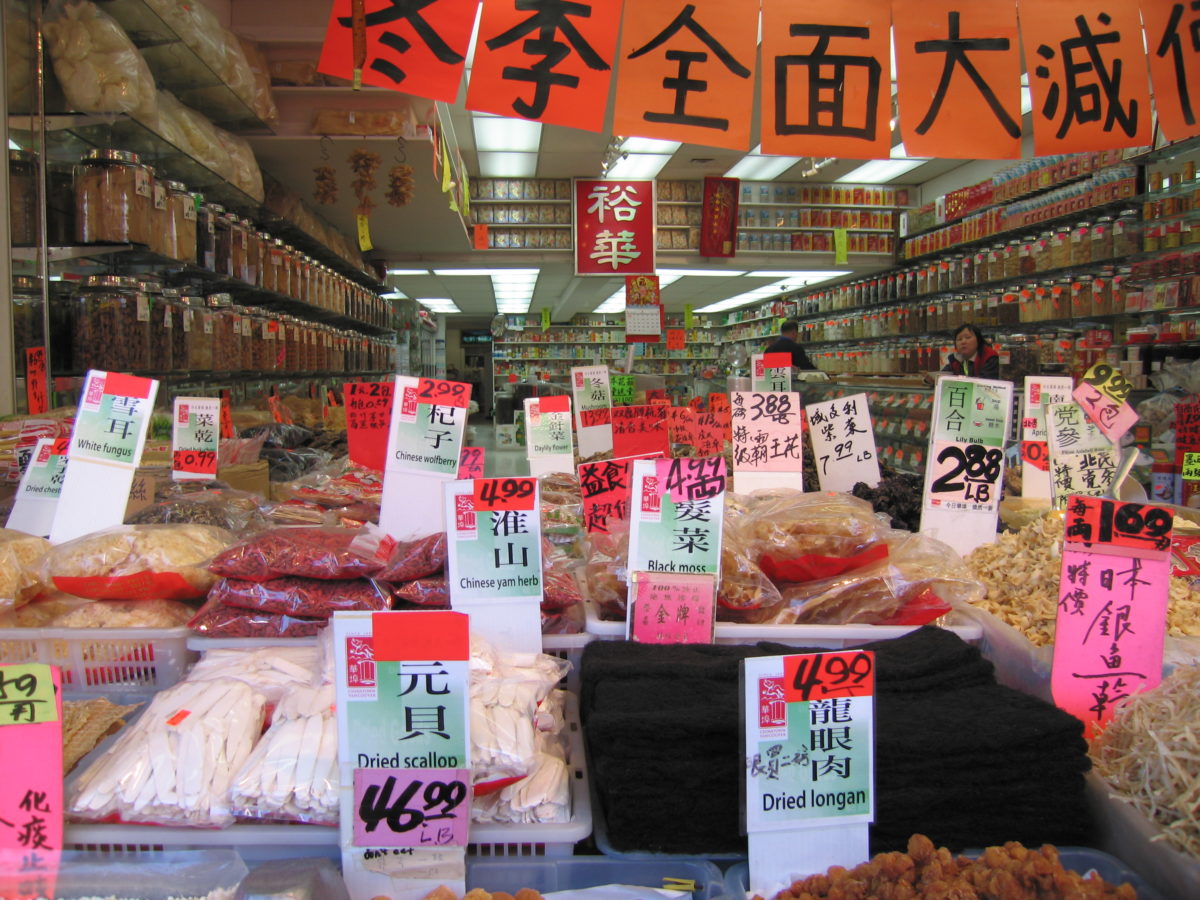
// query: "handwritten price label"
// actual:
[[1095, 520], [470, 462], [1190, 470], [818, 676], [196, 462], [1114, 417], [499, 494], [1109, 381], [27, 694], [443, 393], [411, 807], [691, 479], [1036, 454]]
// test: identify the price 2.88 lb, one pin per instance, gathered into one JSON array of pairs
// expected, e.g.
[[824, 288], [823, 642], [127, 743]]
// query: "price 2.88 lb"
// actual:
[[979, 468]]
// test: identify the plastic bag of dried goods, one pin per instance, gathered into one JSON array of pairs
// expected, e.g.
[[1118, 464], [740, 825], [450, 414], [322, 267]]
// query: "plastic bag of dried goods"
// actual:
[[280, 434], [430, 592], [21, 556], [216, 619], [311, 598], [327, 553], [919, 580], [606, 571], [243, 171], [235, 511], [98, 67], [191, 132], [137, 562], [744, 593], [124, 614], [559, 587]]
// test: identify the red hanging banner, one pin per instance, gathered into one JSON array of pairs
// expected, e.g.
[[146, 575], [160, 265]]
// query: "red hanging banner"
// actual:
[[1088, 76], [958, 62], [1173, 41], [614, 227], [417, 48], [687, 72], [718, 217], [547, 60]]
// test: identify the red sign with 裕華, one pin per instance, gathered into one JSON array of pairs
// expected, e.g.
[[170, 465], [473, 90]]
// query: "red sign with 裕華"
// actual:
[[614, 227]]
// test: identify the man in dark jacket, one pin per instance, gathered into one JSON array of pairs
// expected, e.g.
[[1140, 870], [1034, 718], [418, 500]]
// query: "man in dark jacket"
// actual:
[[786, 343]]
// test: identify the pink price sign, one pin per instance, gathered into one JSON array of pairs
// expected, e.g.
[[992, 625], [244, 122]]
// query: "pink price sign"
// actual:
[[411, 807], [673, 609], [1113, 417], [690, 478]]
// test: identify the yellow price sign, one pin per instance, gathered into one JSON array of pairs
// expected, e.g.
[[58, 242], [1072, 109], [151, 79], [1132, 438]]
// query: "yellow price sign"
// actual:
[[841, 246], [1109, 380], [545, 318], [364, 234], [27, 694], [1191, 467]]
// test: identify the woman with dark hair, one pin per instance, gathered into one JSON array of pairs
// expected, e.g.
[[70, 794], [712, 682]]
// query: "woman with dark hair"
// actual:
[[973, 356]]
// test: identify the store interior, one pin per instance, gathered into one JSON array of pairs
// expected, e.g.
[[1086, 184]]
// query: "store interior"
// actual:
[[201, 213]]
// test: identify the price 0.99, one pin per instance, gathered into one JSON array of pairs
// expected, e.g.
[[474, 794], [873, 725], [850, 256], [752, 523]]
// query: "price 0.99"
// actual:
[[436, 800], [817, 676], [194, 461], [504, 493], [976, 465]]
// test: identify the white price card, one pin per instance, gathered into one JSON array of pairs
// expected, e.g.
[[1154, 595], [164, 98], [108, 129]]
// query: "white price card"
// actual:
[[591, 389], [768, 440], [41, 484], [1040, 391], [1083, 460], [843, 440]]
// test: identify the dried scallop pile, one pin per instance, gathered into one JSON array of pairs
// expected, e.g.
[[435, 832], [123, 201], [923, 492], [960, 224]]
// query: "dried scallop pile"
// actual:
[[1021, 571], [1150, 755]]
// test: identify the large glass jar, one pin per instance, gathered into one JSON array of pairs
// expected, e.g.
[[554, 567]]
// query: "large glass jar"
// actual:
[[28, 330], [1121, 288], [240, 263], [281, 269], [60, 204], [1082, 305], [1042, 257], [1010, 310], [181, 222], [1012, 258], [253, 252], [261, 256], [1060, 248], [1125, 233], [1081, 244], [198, 323], [112, 198], [996, 261], [245, 325], [160, 352], [227, 333], [261, 343], [206, 235], [22, 198], [1060, 299], [1102, 299], [160, 239], [980, 266], [1027, 259], [173, 322], [224, 256], [1102, 239], [110, 324]]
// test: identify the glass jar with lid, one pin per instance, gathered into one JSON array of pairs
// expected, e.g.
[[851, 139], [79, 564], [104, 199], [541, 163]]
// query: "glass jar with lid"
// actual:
[[112, 198], [1125, 233], [22, 198], [996, 261], [1121, 288], [27, 323], [1081, 244], [1102, 298], [206, 234], [1060, 247], [173, 323], [281, 261], [239, 263], [110, 324], [1027, 259], [160, 352], [253, 252], [1082, 305], [160, 240], [263, 343], [1060, 298], [263, 260], [1012, 258], [60, 204], [245, 325], [224, 256], [1102, 239], [292, 261], [227, 334], [180, 234], [1008, 309], [199, 326]]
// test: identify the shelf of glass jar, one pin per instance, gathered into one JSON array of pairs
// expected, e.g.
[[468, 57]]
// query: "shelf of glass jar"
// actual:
[[801, 241], [120, 187], [504, 367]]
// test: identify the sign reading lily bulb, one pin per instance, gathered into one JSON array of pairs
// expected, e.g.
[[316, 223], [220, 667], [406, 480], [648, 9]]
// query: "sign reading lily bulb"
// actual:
[[549, 443], [809, 762], [675, 523], [425, 441], [843, 441], [1112, 606], [195, 434], [1040, 392], [614, 227], [964, 471], [402, 687], [768, 440], [494, 558]]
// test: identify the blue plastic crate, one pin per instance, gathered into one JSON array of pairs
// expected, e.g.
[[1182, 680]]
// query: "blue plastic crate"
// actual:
[[578, 872]]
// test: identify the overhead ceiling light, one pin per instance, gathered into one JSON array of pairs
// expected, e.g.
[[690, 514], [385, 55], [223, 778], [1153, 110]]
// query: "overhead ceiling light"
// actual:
[[439, 304], [649, 145], [758, 293], [881, 171], [489, 273], [394, 295], [638, 165], [806, 276], [756, 167], [665, 278], [408, 271], [507, 165], [702, 273], [499, 134]]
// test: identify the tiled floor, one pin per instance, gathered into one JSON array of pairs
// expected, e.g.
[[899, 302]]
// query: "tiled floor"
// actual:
[[497, 463]]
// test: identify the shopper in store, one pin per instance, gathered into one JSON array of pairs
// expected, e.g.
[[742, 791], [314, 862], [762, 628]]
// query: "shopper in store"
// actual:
[[786, 343], [973, 356]]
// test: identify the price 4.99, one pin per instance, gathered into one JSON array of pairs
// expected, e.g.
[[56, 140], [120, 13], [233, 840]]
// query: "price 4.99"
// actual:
[[968, 470]]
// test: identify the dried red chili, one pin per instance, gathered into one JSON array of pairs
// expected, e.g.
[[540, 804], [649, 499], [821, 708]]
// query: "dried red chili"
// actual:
[[215, 619], [308, 597], [306, 552]]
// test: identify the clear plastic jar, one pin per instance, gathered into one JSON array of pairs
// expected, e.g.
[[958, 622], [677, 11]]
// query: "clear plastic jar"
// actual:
[[201, 329], [160, 239], [160, 353], [1120, 287], [245, 325], [224, 238], [181, 210], [1060, 299], [922, 281], [1012, 258], [1081, 244], [261, 256], [1042, 257], [1102, 298], [227, 334], [281, 270], [240, 262], [1102, 239], [111, 324], [253, 252], [1010, 309], [112, 198], [206, 235], [956, 271], [60, 204], [1082, 304], [22, 198]]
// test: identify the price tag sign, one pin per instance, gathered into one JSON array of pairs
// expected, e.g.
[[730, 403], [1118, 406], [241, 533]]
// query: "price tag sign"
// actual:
[[771, 372], [1187, 425], [592, 393], [1114, 417], [471, 462], [964, 468], [676, 523], [443, 393], [37, 399], [768, 440], [1190, 471], [605, 487], [843, 440], [672, 609], [640, 430], [1082, 459], [1108, 381], [676, 339], [226, 415], [1112, 607], [27, 695], [195, 436], [426, 807], [498, 494], [41, 485], [368, 419], [622, 390], [1040, 391]]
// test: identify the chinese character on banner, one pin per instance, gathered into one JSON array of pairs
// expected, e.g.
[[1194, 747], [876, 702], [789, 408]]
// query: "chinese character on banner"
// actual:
[[959, 62], [825, 79], [687, 73], [718, 217], [1173, 39], [1087, 71], [614, 227], [549, 60], [415, 46]]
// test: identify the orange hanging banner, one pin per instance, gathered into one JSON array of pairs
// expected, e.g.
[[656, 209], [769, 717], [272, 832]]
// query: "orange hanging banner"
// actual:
[[955, 63], [1088, 76], [826, 85], [687, 72], [1173, 42], [545, 60]]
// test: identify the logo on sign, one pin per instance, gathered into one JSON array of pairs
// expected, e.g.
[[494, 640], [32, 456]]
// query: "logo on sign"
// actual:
[[651, 507], [360, 668], [43, 456], [464, 516], [183, 413], [772, 705], [408, 405], [578, 379], [95, 393], [1035, 394]]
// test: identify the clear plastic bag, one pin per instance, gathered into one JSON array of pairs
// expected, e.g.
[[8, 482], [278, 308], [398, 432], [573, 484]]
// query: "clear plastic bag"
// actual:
[[21, 557], [310, 598], [98, 67], [410, 560], [325, 553], [137, 562], [191, 132], [559, 588], [243, 171], [235, 511], [280, 434], [430, 592], [295, 879], [215, 619], [780, 527], [745, 593], [150, 875], [606, 572], [124, 614]]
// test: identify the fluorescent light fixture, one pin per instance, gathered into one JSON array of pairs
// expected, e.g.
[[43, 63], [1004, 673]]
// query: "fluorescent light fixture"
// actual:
[[771, 290], [649, 145], [507, 165], [638, 165], [756, 167], [808, 277], [394, 295], [408, 271], [490, 273], [500, 134], [13, 145], [880, 171], [439, 304], [665, 278], [704, 273]]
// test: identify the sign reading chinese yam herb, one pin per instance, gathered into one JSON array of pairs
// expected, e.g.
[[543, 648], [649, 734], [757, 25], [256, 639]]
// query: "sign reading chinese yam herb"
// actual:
[[675, 523], [959, 62], [592, 392], [1102, 393], [826, 86], [1112, 605], [843, 442], [672, 609], [639, 430], [768, 440], [368, 417], [1087, 73], [809, 758], [614, 227], [402, 687], [106, 447], [771, 372], [195, 438], [37, 495], [1040, 391], [1082, 459], [964, 470]]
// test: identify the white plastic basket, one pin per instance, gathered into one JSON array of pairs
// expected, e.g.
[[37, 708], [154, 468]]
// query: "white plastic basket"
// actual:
[[106, 661]]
